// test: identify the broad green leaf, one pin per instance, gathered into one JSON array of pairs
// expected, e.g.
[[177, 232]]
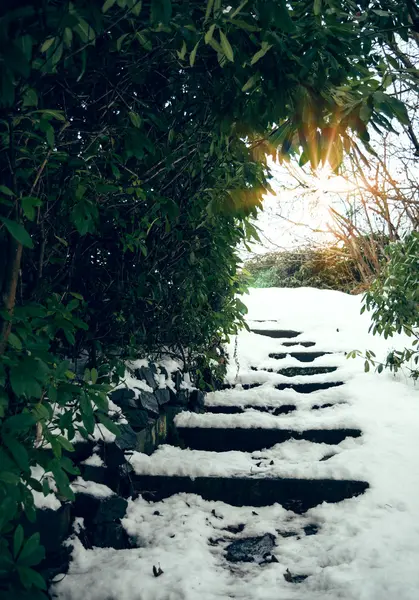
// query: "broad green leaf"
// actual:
[[31, 578], [264, 49], [208, 10], [30, 98], [47, 44], [6, 191], [250, 82], [109, 424], [135, 119], [192, 55], [18, 540], [317, 7], [14, 341], [107, 5], [161, 11], [29, 203], [226, 46], [17, 231], [209, 34]]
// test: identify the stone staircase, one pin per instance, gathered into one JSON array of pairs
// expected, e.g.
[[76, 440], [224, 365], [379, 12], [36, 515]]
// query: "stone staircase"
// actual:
[[248, 419]]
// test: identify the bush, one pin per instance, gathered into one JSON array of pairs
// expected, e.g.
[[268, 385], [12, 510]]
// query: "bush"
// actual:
[[393, 300], [325, 268]]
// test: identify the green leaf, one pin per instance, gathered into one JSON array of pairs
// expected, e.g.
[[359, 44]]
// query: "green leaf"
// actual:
[[192, 55], [65, 443], [226, 46], [135, 119], [107, 5], [14, 341], [94, 375], [18, 540], [9, 477], [161, 11], [51, 114], [30, 98], [109, 424], [6, 191], [317, 7], [29, 203], [209, 34], [47, 44], [31, 578], [18, 451], [264, 49], [182, 52], [250, 82], [18, 232], [208, 10], [19, 422]]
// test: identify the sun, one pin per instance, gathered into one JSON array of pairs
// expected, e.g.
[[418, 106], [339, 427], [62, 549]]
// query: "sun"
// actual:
[[325, 180]]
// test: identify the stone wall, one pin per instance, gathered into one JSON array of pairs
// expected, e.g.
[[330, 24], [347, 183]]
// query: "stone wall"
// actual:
[[146, 405]]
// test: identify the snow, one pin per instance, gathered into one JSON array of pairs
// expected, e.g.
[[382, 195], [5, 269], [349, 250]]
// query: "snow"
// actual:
[[93, 461], [367, 547], [98, 490]]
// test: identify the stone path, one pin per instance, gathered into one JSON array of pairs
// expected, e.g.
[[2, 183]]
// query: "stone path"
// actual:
[[227, 426]]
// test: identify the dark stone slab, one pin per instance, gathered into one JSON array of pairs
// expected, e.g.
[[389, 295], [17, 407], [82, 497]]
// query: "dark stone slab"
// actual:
[[127, 439], [254, 549], [112, 455], [284, 409], [110, 535], [298, 371], [148, 402], [197, 401], [124, 397], [146, 374], [251, 439], [137, 418], [277, 333], [99, 510], [311, 529], [298, 495], [162, 396], [301, 356], [305, 344]]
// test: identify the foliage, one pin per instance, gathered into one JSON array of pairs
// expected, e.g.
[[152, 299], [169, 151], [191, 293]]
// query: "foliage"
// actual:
[[393, 300], [326, 267], [133, 150]]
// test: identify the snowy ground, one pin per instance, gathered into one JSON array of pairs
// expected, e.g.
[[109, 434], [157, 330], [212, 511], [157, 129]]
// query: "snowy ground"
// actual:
[[367, 548]]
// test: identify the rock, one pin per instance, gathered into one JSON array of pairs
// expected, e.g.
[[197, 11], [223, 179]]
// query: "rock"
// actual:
[[123, 397], [235, 528], [97, 474], [127, 439], [147, 375], [163, 371], [163, 396], [112, 455], [138, 419], [197, 401], [177, 378], [110, 535], [311, 529], [251, 549], [99, 510], [153, 368], [148, 402], [182, 398]]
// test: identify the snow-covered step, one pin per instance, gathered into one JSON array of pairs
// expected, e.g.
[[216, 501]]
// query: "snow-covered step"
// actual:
[[298, 495], [297, 371], [301, 388], [249, 440], [277, 333], [300, 356], [305, 344]]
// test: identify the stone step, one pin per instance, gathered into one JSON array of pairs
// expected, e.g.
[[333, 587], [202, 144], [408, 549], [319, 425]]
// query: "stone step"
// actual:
[[296, 371], [282, 409], [298, 495], [305, 344], [231, 409], [277, 333], [218, 439], [301, 388], [301, 356]]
